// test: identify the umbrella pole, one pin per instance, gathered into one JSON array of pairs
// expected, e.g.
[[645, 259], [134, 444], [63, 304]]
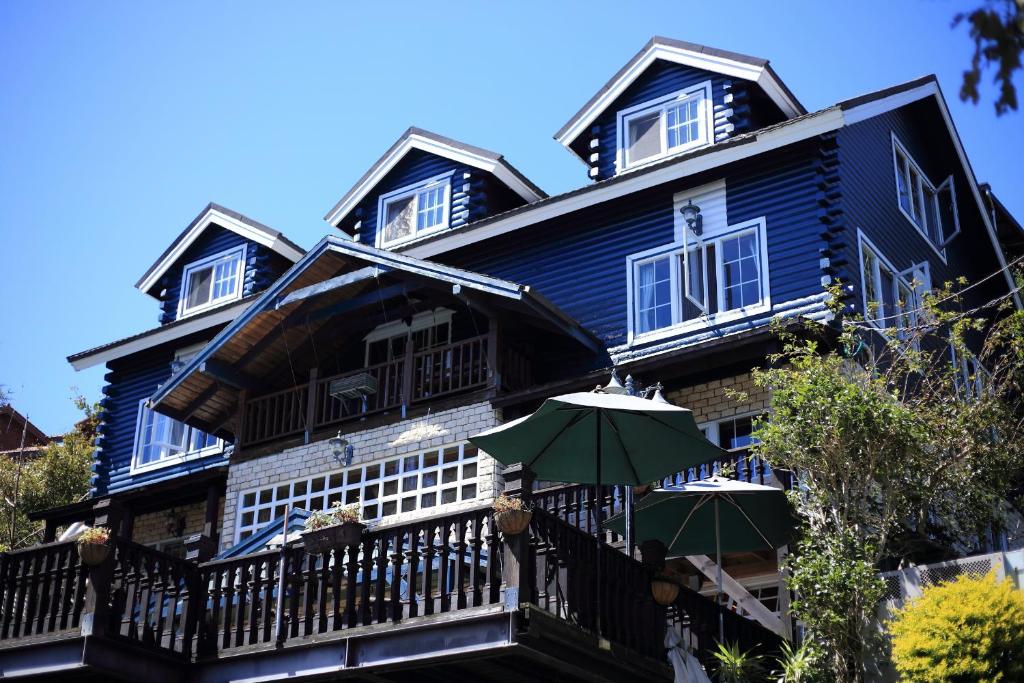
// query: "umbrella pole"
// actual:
[[630, 531], [599, 515], [718, 588]]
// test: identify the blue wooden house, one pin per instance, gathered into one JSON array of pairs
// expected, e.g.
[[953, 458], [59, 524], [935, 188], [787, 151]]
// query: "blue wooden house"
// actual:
[[452, 294]]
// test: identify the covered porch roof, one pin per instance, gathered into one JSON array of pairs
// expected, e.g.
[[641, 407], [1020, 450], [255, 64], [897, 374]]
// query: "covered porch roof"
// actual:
[[335, 282]]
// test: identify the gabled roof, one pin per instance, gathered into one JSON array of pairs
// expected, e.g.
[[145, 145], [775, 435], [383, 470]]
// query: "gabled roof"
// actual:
[[337, 272], [689, 54], [229, 220], [424, 140]]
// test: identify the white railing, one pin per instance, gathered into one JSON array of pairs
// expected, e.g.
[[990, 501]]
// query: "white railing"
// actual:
[[906, 584]]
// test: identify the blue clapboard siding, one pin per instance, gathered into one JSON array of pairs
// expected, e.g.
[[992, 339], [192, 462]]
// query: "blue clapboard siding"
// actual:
[[869, 201], [129, 381], [262, 266], [660, 79], [475, 194], [579, 261]]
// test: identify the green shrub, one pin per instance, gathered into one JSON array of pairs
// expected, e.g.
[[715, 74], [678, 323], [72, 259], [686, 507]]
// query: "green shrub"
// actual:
[[971, 629]]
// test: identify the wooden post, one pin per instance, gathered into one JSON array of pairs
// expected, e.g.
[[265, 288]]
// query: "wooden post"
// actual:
[[407, 377], [49, 530], [243, 400], [517, 561], [311, 396], [493, 368], [127, 524], [96, 611]]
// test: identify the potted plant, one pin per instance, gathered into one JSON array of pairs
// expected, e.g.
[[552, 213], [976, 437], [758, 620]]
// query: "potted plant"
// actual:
[[664, 590], [339, 526], [511, 515], [94, 545]]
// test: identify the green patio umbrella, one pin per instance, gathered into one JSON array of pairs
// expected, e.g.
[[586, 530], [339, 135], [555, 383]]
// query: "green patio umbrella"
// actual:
[[713, 516], [600, 438]]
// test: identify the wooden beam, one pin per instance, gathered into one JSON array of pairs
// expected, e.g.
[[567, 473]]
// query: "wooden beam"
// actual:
[[227, 374], [331, 284], [735, 590]]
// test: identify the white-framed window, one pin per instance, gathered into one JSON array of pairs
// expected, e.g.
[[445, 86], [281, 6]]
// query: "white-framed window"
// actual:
[[161, 441], [212, 281], [892, 299], [970, 376], [669, 125], [733, 433], [421, 480], [427, 330], [414, 210], [718, 276], [932, 210]]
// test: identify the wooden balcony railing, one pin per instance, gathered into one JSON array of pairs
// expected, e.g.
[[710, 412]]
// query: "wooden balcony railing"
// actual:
[[43, 591], [415, 378]]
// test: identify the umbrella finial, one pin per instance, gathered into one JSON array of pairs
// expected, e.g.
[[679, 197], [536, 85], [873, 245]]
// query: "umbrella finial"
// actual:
[[614, 386], [658, 396], [630, 386]]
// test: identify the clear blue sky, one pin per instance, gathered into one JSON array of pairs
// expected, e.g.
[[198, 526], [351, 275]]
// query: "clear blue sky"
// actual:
[[120, 121]]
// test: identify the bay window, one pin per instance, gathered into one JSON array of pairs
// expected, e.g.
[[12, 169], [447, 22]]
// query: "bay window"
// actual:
[[414, 210], [931, 209], [161, 441], [668, 125], [719, 275]]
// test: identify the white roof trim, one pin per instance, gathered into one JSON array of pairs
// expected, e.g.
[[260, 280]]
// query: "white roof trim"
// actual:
[[213, 215], [426, 144], [785, 134], [158, 337], [700, 60]]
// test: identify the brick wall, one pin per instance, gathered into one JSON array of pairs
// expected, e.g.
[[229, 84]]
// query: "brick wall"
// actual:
[[402, 438], [709, 401], [152, 526]]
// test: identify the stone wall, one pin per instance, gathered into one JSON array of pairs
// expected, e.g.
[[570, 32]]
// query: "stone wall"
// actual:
[[401, 438], [152, 526], [710, 402]]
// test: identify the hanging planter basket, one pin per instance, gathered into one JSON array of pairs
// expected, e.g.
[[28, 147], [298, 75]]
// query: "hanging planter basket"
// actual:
[[93, 554], [318, 541], [664, 591], [513, 522]]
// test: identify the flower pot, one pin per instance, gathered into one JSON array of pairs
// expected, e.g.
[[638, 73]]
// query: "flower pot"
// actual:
[[513, 522], [93, 554], [664, 591], [321, 540]]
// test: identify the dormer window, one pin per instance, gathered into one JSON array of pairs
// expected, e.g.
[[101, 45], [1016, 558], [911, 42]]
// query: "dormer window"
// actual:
[[212, 281], [666, 126], [413, 211]]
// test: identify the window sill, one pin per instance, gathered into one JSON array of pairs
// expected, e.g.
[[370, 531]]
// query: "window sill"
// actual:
[[677, 151], [698, 324], [413, 237], [176, 460], [187, 313]]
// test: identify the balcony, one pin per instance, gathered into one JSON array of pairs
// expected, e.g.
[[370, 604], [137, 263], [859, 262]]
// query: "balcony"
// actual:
[[401, 384], [442, 596]]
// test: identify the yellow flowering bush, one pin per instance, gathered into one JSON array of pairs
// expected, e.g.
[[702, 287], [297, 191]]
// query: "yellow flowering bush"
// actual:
[[971, 629]]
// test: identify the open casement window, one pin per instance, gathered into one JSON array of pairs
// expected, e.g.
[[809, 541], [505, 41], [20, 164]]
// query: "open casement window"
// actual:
[[667, 126], [407, 213], [892, 300], [427, 330], [713, 275], [931, 209], [162, 440], [212, 281]]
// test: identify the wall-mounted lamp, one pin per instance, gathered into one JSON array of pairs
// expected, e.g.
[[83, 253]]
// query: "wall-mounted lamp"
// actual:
[[693, 218], [341, 449]]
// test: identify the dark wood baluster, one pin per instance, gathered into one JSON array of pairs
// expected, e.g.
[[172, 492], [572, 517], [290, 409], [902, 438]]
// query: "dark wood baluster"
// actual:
[[429, 552], [495, 549], [229, 603], [380, 586], [365, 579], [337, 572], [46, 588], [31, 593], [161, 579], [323, 584], [444, 579], [351, 584], [460, 562], [147, 598], [412, 561], [309, 591], [476, 578], [295, 577], [256, 598], [268, 600], [397, 562], [11, 564]]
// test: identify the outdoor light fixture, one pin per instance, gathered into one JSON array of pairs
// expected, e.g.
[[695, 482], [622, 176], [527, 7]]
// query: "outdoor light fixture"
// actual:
[[341, 449], [614, 386], [693, 218]]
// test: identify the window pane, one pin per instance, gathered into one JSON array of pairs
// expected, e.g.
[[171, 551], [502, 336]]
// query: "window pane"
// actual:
[[224, 278], [736, 433], [741, 283], [644, 135], [868, 272], [654, 295], [400, 216], [682, 122], [199, 287], [888, 307], [431, 207], [902, 185]]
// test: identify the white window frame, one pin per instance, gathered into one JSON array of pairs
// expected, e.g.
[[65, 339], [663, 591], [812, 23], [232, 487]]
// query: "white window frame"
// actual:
[[923, 193], [899, 277], [138, 467], [971, 376], [676, 252], [705, 124], [275, 504], [711, 428], [239, 254], [414, 190]]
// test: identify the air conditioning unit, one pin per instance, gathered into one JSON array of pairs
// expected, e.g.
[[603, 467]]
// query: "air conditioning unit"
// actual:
[[359, 385]]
